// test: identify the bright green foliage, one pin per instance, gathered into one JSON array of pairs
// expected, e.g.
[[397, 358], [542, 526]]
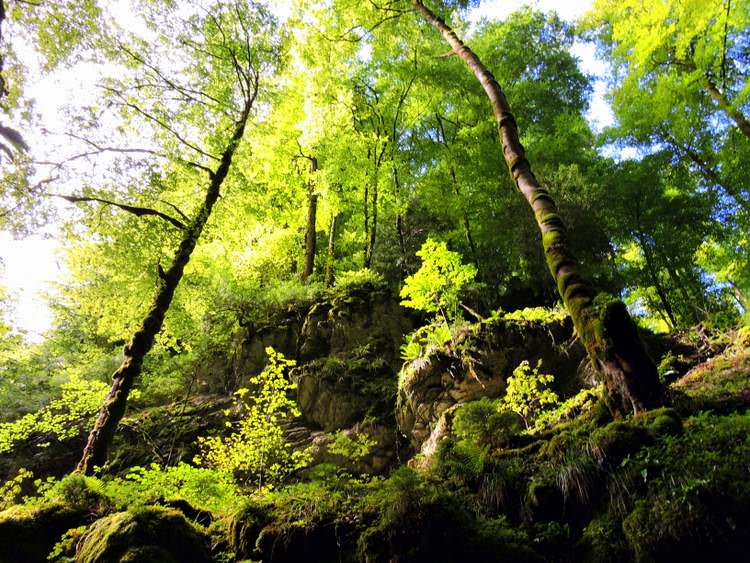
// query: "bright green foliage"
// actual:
[[436, 286], [534, 314], [203, 488], [256, 450], [62, 418], [425, 340], [354, 447], [528, 393], [364, 279], [12, 490]]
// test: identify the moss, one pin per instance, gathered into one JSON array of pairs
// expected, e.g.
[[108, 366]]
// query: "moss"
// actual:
[[617, 440], [602, 541], [711, 527], [660, 422], [29, 534], [142, 533], [544, 500], [721, 383], [245, 527]]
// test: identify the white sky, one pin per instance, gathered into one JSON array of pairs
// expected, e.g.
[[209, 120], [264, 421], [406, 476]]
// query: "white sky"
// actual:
[[30, 265]]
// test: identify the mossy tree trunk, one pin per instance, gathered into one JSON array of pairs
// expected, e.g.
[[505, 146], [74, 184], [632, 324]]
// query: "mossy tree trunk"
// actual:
[[310, 229], [113, 408], [331, 252], [603, 325]]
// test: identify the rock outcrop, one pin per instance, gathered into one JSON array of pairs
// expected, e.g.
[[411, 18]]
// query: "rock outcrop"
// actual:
[[477, 363]]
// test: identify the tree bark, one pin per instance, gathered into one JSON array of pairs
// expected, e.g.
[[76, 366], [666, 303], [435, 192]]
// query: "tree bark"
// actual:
[[310, 230], [603, 326], [331, 252], [372, 235], [113, 409]]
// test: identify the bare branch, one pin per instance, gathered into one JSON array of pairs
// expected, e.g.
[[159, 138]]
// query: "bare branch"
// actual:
[[147, 115], [135, 210]]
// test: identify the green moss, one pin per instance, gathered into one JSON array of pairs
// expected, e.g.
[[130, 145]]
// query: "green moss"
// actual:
[[602, 541], [142, 533], [660, 422], [28, 534], [544, 499], [245, 527], [617, 440]]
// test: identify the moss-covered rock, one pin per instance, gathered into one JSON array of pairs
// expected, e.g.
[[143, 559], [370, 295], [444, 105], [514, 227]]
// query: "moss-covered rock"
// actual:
[[245, 527], [617, 440], [147, 535], [27, 535], [477, 362]]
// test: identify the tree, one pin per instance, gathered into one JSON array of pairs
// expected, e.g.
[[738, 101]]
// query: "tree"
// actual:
[[605, 329], [436, 286], [229, 36], [257, 450]]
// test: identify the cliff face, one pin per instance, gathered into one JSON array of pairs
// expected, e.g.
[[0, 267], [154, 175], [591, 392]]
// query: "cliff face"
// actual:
[[476, 364]]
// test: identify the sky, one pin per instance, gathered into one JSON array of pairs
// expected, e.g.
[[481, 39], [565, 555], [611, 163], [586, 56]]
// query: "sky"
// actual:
[[30, 266]]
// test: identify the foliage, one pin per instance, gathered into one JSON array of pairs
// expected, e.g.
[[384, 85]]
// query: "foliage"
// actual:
[[436, 286], [351, 447], [423, 341], [485, 422], [533, 314], [571, 408], [528, 392], [203, 488], [256, 451], [353, 281], [60, 419], [12, 490]]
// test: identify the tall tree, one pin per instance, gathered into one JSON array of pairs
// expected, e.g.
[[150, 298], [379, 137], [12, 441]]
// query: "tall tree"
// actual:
[[233, 42], [606, 330]]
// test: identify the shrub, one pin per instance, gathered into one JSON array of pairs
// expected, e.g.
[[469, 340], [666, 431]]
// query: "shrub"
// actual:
[[528, 392], [257, 450], [436, 286]]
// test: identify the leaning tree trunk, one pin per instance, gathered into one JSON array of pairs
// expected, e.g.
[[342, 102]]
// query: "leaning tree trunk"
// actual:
[[603, 325], [113, 409]]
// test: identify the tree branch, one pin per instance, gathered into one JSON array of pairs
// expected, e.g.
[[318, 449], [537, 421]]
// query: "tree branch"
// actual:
[[135, 210]]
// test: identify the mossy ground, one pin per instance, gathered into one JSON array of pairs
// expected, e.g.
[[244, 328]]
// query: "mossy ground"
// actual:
[[672, 484]]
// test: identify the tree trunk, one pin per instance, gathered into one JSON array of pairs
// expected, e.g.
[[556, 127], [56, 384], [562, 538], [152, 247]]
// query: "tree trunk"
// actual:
[[654, 275], [399, 223], [113, 409], [467, 224], [310, 232], [604, 326], [331, 251], [370, 249]]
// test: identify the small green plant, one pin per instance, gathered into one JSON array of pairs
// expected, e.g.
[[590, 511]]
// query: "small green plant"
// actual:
[[352, 447], [436, 286], [67, 543], [350, 281], [11, 491], [528, 392], [257, 450], [433, 336], [484, 422]]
